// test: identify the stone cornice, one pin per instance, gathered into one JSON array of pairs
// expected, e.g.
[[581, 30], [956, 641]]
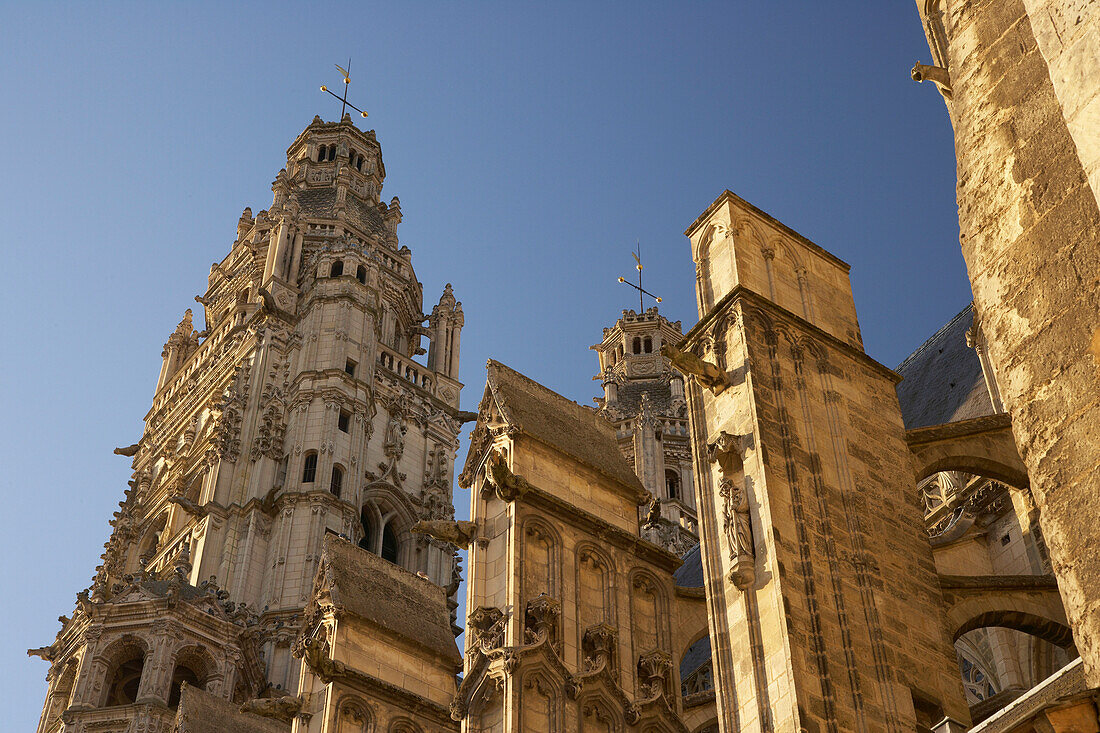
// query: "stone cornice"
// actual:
[[740, 292], [998, 582], [958, 429]]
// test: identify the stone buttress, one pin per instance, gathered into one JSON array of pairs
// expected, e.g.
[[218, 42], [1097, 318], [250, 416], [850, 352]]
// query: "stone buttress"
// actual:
[[823, 601]]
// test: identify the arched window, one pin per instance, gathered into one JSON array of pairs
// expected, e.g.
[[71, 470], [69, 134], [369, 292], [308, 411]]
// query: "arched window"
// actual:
[[648, 345], [332, 152], [309, 468], [322, 153], [672, 484], [126, 679], [637, 345], [181, 674], [361, 274], [337, 269], [367, 543], [337, 482], [389, 544]]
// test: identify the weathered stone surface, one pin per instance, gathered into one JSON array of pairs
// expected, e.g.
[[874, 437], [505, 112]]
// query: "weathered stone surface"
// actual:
[[1026, 80]]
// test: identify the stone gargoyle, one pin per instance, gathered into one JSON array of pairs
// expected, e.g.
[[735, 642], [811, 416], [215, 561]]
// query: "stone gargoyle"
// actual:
[[129, 451], [508, 485], [280, 708], [458, 533], [938, 75], [708, 374], [188, 506]]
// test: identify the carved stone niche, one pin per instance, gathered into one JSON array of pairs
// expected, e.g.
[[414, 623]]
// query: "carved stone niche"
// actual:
[[541, 620], [728, 451], [598, 647], [654, 673]]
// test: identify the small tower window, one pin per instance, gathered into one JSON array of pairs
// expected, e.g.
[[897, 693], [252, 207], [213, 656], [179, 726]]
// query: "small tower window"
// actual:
[[322, 153], [389, 545], [349, 367], [361, 274], [343, 421], [648, 345], [124, 684], [337, 482], [309, 469], [672, 484], [332, 152], [637, 345], [337, 269]]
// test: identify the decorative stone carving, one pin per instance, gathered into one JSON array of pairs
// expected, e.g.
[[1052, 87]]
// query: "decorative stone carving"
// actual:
[[458, 533], [278, 708], [487, 624], [541, 619], [598, 647], [727, 451], [654, 672], [938, 75], [508, 485], [709, 375]]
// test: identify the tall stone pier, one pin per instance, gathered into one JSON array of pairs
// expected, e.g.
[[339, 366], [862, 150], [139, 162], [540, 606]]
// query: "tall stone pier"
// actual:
[[824, 603], [1021, 80]]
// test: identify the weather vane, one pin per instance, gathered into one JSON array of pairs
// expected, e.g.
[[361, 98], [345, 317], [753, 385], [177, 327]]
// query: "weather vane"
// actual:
[[642, 292], [344, 103]]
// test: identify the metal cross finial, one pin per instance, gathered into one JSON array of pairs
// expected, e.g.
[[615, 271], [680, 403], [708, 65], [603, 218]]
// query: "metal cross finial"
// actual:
[[344, 103], [641, 291]]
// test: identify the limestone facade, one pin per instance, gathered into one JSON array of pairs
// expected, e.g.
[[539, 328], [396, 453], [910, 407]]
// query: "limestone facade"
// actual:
[[300, 409], [1023, 96], [644, 399], [823, 597]]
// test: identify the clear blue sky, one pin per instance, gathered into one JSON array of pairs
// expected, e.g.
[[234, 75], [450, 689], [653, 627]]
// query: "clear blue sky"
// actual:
[[530, 145]]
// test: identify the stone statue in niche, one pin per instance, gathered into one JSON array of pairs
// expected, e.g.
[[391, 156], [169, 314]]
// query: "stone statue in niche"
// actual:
[[728, 452], [395, 436]]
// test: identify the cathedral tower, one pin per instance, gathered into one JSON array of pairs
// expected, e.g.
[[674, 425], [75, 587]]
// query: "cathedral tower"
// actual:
[[299, 410], [644, 400], [823, 600]]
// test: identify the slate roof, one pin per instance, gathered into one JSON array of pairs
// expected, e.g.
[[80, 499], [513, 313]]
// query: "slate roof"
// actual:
[[690, 574], [560, 423], [388, 596], [201, 712], [321, 203], [942, 380], [696, 655]]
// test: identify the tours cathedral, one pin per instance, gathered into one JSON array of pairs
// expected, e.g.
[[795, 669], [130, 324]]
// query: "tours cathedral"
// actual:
[[757, 527]]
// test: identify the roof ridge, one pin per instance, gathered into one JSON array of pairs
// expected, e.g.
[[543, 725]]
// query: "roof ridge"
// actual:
[[928, 341]]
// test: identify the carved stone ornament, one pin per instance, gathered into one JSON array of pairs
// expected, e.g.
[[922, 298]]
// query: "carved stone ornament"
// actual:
[[654, 671], [458, 533], [727, 451], [541, 619], [708, 374], [278, 708], [488, 625], [598, 647], [508, 485]]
